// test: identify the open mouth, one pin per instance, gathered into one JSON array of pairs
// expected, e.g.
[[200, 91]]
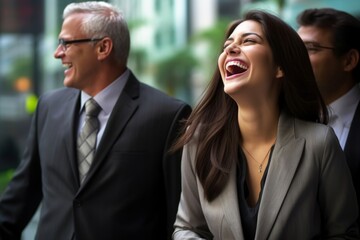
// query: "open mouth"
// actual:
[[235, 67], [67, 65]]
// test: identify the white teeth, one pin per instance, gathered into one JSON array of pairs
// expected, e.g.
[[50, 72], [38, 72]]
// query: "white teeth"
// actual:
[[236, 63], [67, 65]]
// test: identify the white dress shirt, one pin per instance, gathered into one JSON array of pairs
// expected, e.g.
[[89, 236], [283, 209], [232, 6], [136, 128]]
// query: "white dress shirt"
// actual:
[[106, 99], [341, 113]]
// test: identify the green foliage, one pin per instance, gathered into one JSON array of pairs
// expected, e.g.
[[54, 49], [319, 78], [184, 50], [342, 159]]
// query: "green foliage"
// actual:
[[213, 35], [22, 66], [5, 177], [214, 38], [173, 71], [136, 23]]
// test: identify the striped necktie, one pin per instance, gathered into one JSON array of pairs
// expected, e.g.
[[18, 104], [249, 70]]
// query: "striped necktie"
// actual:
[[86, 142]]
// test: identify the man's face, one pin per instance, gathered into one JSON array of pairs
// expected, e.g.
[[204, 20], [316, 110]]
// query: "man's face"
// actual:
[[79, 59], [326, 65]]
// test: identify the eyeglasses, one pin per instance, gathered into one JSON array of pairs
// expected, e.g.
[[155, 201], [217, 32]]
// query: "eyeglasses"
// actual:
[[314, 47], [65, 43]]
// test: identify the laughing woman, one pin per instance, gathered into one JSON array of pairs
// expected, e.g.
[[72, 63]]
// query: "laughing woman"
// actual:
[[259, 161]]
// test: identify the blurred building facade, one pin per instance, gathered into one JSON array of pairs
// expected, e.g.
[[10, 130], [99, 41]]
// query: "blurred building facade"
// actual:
[[174, 48]]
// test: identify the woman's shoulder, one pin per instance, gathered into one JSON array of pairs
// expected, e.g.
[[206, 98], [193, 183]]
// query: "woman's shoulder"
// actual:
[[311, 128], [291, 124], [315, 133]]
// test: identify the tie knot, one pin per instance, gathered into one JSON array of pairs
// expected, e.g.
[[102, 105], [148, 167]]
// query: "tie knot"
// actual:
[[92, 108]]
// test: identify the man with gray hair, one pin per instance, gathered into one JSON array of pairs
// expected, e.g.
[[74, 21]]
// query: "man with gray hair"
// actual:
[[97, 155]]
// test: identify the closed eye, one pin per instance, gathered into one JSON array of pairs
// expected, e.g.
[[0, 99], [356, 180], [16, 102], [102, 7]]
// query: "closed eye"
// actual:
[[246, 41], [249, 40]]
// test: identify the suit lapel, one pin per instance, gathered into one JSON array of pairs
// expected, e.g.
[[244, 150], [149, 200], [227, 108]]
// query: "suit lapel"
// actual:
[[124, 109], [285, 159], [353, 139], [230, 205], [70, 124]]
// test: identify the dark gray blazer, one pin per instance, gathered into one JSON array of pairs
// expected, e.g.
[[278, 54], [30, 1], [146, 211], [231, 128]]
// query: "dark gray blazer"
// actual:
[[133, 187], [308, 193]]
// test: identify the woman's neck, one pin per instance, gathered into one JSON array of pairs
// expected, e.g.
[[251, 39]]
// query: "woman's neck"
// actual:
[[258, 126]]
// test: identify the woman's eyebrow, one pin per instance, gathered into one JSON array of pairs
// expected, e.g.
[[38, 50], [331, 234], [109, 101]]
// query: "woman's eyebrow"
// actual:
[[245, 35]]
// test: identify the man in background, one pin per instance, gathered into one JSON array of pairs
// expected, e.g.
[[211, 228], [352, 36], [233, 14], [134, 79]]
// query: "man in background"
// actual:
[[97, 155], [333, 41]]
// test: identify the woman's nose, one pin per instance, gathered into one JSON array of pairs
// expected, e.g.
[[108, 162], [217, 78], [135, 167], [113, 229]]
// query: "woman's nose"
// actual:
[[233, 49]]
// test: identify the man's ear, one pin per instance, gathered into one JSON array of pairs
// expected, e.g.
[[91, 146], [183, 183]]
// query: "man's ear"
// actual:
[[104, 48], [279, 72], [351, 60]]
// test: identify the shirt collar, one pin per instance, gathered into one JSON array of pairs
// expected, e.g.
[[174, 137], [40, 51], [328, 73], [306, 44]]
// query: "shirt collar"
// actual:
[[108, 96], [345, 106]]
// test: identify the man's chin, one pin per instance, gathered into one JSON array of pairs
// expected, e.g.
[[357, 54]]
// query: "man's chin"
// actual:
[[68, 83]]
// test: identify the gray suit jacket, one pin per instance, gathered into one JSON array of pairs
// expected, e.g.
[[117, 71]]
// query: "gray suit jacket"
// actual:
[[308, 193]]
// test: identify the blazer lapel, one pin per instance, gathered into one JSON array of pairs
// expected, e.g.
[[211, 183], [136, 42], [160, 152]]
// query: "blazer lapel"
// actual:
[[284, 161], [230, 205], [70, 124], [124, 109]]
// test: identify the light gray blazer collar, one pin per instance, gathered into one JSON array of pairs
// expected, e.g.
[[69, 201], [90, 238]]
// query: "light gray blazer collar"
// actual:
[[285, 159]]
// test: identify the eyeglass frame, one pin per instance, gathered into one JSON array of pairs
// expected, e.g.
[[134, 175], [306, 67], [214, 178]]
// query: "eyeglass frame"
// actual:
[[63, 43], [316, 47]]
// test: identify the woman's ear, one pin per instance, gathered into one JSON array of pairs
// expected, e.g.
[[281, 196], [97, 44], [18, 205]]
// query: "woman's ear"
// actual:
[[279, 72], [104, 48], [351, 60]]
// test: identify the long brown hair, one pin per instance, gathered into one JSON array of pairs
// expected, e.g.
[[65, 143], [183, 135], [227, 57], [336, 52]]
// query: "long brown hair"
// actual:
[[214, 119]]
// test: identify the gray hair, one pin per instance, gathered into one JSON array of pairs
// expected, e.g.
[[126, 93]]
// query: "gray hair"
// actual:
[[103, 19]]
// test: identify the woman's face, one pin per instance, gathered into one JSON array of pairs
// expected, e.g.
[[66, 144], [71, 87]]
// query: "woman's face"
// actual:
[[247, 62]]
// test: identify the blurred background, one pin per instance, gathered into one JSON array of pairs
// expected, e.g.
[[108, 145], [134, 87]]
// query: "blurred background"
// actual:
[[175, 44]]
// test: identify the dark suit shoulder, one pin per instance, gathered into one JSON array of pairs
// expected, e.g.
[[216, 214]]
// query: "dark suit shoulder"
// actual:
[[58, 101], [59, 94], [158, 100], [158, 96], [150, 96], [354, 132]]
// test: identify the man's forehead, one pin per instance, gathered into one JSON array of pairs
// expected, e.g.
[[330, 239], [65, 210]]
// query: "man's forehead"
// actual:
[[315, 34]]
